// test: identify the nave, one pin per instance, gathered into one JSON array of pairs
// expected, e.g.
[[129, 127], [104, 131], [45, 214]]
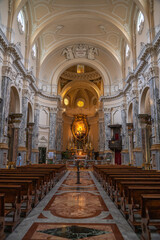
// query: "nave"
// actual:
[[75, 211]]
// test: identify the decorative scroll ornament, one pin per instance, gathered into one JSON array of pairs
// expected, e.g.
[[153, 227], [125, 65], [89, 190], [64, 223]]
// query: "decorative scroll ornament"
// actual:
[[80, 51]]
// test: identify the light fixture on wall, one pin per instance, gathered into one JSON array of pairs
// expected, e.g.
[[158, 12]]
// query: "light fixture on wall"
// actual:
[[80, 68]]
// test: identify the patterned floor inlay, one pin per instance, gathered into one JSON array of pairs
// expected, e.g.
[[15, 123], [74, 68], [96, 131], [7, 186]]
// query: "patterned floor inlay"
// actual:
[[76, 205], [75, 211], [76, 201], [73, 232]]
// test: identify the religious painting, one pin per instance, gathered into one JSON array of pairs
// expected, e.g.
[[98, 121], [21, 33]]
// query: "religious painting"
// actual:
[[80, 127]]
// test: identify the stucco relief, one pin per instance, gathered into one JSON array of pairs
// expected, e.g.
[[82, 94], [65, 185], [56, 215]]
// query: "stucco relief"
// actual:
[[80, 51]]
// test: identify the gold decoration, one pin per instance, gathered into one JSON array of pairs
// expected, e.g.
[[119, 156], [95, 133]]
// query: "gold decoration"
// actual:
[[80, 127], [80, 103]]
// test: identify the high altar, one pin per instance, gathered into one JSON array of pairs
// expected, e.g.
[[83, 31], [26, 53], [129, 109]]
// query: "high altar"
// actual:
[[80, 143]]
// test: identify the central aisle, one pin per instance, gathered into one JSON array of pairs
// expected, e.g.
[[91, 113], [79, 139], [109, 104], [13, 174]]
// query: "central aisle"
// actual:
[[75, 211]]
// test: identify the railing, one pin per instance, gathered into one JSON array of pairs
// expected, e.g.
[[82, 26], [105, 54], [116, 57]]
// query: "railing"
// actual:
[[115, 144]]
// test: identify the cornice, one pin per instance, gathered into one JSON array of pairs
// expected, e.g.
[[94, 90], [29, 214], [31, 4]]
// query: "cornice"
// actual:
[[129, 77], [107, 98], [49, 97], [15, 51], [145, 51], [3, 39], [156, 41], [17, 55], [21, 67], [139, 67]]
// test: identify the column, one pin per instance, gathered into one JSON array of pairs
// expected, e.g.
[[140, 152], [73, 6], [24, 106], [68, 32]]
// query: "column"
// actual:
[[107, 122], [22, 133], [52, 129], [155, 107], [4, 112], [59, 135], [125, 153], [145, 122], [130, 135], [137, 139], [107, 134], [137, 133], [155, 116], [14, 125], [101, 140], [101, 136], [35, 134], [29, 141]]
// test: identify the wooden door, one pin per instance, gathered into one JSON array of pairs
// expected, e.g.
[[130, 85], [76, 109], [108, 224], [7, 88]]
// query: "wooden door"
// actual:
[[118, 157]]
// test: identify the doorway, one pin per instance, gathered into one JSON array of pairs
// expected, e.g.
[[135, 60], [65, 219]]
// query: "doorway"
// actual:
[[42, 155], [117, 157]]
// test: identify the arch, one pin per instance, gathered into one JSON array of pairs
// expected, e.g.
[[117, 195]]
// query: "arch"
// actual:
[[14, 106], [74, 85], [98, 66], [145, 101], [71, 41], [130, 113]]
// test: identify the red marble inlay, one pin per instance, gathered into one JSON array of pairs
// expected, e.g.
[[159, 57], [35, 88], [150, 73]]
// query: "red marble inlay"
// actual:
[[76, 205], [85, 179], [113, 232]]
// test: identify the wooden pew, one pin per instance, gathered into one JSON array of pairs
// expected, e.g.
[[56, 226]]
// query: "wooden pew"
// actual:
[[12, 207], [122, 199], [150, 214], [35, 185], [2, 235], [26, 193], [134, 201], [58, 169], [122, 186], [47, 180], [41, 190], [112, 180]]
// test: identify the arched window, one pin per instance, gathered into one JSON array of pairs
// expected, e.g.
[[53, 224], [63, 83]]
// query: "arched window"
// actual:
[[21, 22], [127, 51], [34, 51], [140, 22]]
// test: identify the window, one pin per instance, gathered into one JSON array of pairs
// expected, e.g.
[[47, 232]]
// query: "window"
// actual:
[[140, 22], [66, 101], [127, 51], [34, 51], [80, 103], [21, 22], [80, 68]]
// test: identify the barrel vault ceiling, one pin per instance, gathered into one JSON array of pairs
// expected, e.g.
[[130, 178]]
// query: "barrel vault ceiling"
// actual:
[[104, 24]]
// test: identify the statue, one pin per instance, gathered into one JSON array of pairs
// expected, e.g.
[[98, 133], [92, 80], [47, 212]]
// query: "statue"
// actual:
[[91, 53], [68, 53]]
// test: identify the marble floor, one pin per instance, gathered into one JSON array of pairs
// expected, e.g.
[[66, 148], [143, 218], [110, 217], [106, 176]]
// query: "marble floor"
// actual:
[[75, 211]]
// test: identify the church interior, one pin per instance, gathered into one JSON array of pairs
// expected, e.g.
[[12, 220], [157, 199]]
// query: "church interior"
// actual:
[[79, 119]]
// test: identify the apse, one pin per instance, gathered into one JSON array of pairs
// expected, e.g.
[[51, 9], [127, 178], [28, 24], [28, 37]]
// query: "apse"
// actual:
[[80, 88]]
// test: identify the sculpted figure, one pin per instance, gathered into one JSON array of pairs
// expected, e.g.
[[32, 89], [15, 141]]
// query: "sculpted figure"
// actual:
[[91, 53], [68, 53]]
